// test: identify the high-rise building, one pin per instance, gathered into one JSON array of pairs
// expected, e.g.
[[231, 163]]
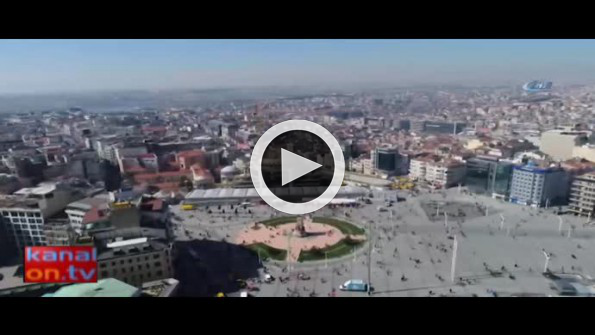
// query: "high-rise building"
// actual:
[[538, 186], [582, 195], [489, 175], [385, 159]]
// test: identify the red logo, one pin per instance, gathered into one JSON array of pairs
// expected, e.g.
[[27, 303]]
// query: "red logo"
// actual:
[[60, 265]]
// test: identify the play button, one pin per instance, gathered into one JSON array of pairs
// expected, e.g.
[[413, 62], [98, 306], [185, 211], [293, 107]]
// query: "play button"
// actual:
[[294, 166], [297, 167]]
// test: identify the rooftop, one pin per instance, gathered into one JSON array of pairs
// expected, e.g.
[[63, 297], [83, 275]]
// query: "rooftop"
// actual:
[[42, 189], [109, 287]]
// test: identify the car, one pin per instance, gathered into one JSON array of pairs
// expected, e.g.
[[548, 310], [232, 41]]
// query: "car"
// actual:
[[354, 285], [1, 276]]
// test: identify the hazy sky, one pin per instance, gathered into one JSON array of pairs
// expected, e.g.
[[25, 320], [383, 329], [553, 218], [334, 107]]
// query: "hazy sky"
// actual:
[[39, 66]]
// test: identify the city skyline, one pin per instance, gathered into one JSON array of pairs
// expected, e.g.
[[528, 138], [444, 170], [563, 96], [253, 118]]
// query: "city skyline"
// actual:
[[63, 66]]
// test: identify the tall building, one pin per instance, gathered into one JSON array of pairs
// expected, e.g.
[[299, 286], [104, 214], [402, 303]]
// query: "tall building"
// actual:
[[537, 186], [25, 213], [385, 159], [560, 144], [582, 195], [489, 175]]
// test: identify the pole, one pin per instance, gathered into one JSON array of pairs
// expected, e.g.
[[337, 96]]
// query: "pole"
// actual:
[[454, 259], [547, 261], [560, 224], [501, 221], [437, 209], [445, 220], [486, 210], [325, 260], [370, 258], [289, 253], [569, 227]]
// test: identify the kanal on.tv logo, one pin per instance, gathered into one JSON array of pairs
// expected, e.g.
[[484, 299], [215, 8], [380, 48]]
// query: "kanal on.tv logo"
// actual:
[[60, 265]]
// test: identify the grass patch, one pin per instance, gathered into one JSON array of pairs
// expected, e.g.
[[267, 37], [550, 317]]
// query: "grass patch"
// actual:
[[279, 221], [345, 227], [267, 252], [344, 247]]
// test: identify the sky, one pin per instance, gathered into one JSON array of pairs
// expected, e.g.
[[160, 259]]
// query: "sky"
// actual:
[[47, 66]]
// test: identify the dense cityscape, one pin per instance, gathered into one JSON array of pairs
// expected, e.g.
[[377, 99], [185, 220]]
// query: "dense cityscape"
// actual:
[[448, 191]]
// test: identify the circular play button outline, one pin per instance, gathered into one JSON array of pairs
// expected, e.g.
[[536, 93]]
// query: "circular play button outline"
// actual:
[[258, 179]]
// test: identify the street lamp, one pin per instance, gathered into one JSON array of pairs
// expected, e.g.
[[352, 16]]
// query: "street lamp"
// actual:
[[560, 224], [454, 259], [501, 221], [547, 260]]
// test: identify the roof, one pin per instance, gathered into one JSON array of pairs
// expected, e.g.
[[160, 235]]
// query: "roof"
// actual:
[[42, 189], [140, 246], [87, 204], [126, 243], [109, 287], [243, 193]]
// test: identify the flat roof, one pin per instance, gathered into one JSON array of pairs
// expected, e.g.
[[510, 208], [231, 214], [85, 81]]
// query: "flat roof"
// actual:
[[245, 193], [109, 287], [125, 243], [39, 190]]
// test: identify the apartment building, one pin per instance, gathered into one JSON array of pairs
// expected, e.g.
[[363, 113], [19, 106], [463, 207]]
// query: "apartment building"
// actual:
[[582, 195]]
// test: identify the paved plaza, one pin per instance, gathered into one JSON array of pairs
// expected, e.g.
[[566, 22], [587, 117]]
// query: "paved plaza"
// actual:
[[499, 252]]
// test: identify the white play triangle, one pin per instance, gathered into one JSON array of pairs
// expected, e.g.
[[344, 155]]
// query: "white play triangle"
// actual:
[[294, 166]]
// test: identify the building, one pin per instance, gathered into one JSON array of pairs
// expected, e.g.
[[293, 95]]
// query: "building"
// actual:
[[9, 183], [87, 211], [25, 213], [385, 160], [103, 288], [436, 171], [6, 249], [435, 127], [363, 165], [586, 151], [217, 196], [560, 144], [58, 232], [582, 195], [538, 186], [186, 159], [489, 175], [160, 288], [134, 260]]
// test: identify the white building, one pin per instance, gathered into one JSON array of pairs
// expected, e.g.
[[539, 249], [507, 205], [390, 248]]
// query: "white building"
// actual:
[[439, 173], [25, 213]]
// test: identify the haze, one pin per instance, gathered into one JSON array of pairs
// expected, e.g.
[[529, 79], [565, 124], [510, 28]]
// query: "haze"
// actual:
[[46, 66]]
